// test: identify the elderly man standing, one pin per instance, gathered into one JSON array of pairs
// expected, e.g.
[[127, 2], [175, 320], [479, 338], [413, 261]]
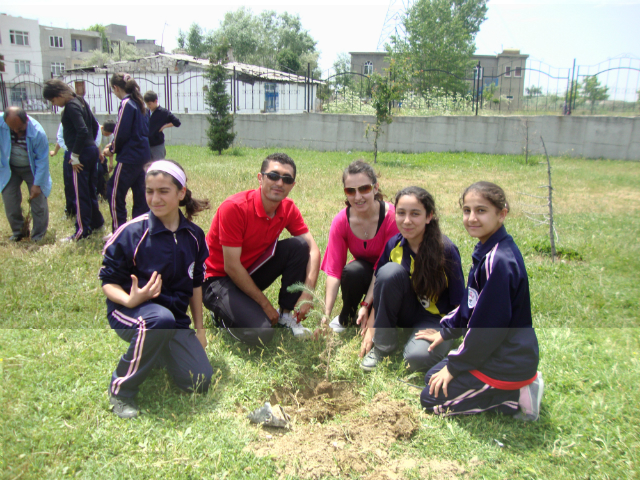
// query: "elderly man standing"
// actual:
[[24, 157]]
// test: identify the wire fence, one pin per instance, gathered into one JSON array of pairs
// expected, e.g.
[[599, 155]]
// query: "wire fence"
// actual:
[[515, 87]]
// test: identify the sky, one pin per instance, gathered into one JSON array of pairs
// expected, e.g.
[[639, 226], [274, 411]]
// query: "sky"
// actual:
[[553, 32]]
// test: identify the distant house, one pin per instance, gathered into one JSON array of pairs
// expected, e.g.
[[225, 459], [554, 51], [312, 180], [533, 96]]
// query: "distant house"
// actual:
[[506, 70], [181, 85]]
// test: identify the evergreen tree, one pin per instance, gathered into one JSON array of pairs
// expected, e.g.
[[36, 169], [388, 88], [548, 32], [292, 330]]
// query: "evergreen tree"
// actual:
[[218, 101]]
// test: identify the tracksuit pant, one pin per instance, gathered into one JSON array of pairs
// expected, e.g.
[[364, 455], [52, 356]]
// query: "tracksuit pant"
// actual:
[[354, 283], [12, 198], [126, 176], [88, 216], [69, 194], [242, 316], [103, 175], [468, 395], [397, 305], [158, 152], [155, 339]]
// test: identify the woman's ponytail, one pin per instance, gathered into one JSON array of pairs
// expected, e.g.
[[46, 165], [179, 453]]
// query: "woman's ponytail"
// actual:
[[193, 206], [126, 82]]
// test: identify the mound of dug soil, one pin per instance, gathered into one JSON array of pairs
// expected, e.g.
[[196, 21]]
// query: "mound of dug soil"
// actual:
[[356, 444]]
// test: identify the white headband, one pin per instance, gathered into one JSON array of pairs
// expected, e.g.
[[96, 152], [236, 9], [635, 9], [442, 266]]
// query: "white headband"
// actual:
[[170, 168]]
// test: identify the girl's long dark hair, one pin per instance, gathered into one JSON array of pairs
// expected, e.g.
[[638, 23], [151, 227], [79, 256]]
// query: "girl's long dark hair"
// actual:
[[428, 278], [193, 206], [126, 82], [56, 88]]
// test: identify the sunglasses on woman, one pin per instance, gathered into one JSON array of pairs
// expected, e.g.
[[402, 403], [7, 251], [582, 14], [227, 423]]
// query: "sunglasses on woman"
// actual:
[[362, 189], [274, 177]]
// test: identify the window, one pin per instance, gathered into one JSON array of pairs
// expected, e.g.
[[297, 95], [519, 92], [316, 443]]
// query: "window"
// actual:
[[57, 69], [518, 72], [18, 94], [76, 45], [56, 42], [19, 38], [507, 71], [23, 66], [368, 68], [2, 64]]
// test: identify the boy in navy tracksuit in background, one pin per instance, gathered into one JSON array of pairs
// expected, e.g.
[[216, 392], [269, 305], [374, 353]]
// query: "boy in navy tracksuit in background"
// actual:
[[131, 146], [159, 120], [496, 365]]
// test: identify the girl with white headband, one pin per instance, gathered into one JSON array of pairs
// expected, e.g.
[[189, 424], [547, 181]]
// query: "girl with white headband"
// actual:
[[153, 269]]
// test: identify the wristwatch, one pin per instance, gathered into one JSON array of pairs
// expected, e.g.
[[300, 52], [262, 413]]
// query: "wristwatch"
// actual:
[[365, 304]]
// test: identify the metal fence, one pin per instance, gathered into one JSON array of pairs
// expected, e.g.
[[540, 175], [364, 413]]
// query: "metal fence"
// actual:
[[532, 87], [181, 92]]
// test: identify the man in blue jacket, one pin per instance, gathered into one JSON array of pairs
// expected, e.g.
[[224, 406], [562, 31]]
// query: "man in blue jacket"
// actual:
[[24, 157]]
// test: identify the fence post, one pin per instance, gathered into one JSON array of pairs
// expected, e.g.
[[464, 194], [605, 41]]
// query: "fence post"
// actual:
[[307, 86], [573, 71], [576, 94], [167, 94], [233, 89], [478, 79]]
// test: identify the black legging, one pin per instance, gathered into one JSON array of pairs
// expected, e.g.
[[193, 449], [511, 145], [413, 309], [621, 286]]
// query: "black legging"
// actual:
[[354, 283]]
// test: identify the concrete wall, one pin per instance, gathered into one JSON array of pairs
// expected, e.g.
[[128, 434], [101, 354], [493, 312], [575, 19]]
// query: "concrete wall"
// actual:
[[589, 137]]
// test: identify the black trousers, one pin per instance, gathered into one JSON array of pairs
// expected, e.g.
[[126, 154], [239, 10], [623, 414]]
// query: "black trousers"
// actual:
[[468, 395], [354, 283], [67, 177], [242, 316], [88, 216], [126, 176]]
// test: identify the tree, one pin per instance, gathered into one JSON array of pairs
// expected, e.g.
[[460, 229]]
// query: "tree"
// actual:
[[119, 51], [342, 70], [593, 91], [218, 102], [384, 92], [267, 39], [182, 39], [98, 27], [440, 38], [533, 91], [196, 41]]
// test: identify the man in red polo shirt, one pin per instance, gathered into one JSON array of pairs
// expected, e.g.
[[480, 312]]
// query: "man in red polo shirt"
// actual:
[[245, 257]]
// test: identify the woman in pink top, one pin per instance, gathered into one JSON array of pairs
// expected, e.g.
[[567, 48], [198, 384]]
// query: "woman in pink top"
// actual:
[[363, 228]]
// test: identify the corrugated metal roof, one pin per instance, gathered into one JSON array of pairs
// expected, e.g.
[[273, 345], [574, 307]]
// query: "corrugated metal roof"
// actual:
[[254, 71]]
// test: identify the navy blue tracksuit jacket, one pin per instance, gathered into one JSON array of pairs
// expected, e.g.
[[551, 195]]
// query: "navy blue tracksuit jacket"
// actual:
[[143, 246], [131, 135], [500, 346]]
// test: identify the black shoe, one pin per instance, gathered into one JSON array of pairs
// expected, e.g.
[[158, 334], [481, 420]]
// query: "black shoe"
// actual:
[[15, 238], [123, 407]]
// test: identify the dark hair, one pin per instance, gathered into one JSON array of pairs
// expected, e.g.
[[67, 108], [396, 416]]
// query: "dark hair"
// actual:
[[150, 96], [193, 206], [56, 88], [282, 158], [126, 82], [428, 278], [492, 192], [360, 166], [17, 111], [109, 126]]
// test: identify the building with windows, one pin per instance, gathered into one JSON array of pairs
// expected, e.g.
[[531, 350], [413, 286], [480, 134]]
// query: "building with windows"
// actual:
[[20, 60], [64, 48]]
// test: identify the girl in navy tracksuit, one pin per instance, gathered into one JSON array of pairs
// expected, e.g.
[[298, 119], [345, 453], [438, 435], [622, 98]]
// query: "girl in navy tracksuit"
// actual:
[[79, 128], [496, 365], [131, 145], [153, 269]]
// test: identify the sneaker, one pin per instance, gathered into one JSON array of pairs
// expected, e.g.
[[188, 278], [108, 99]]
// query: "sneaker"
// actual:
[[123, 407], [107, 237], [15, 238], [286, 320], [69, 239], [371, 359], [336, 326], [530, 400]]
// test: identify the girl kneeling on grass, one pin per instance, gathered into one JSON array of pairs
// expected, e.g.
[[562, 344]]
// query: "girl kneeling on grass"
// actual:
[[418, 280], [153, 269], [495, 366]]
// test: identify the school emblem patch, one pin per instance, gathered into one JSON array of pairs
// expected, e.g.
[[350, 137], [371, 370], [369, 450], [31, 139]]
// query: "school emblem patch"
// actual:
[[473, 298], [191, 267]]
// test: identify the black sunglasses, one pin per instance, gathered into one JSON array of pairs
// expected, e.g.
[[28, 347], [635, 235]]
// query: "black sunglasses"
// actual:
[[363, 189], [274, 177]]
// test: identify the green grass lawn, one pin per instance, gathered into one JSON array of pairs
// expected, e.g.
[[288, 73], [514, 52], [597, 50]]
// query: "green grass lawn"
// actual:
[[57, 351]]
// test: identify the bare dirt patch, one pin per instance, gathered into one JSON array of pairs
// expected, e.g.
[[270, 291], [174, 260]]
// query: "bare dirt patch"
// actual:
[[354, 445]]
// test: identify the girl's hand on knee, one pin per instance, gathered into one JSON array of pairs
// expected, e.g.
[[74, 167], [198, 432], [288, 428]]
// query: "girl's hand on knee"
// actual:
[[140, 295], [430, 335], [440, 379]]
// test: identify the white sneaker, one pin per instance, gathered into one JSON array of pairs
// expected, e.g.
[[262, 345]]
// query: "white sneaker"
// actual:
[[286, 320], [530, 400], [336, 326]]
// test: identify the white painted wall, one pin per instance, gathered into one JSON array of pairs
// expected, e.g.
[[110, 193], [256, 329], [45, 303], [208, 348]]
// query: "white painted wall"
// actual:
[[31, 53]]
